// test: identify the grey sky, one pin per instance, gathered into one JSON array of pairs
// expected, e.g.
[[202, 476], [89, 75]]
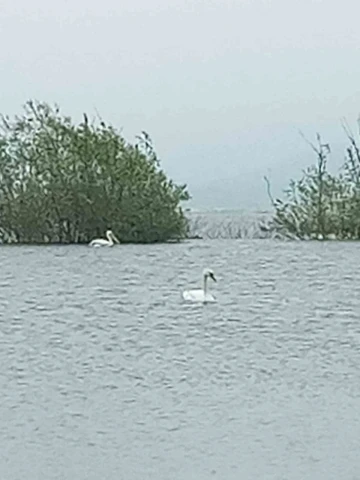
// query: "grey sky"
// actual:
[[222, 86]]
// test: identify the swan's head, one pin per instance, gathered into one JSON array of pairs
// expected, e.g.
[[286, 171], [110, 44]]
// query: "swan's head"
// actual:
[[208, 273], [109, 234]]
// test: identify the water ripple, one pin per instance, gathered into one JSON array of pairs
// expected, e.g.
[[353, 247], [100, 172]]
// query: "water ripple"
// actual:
[[106, 373]]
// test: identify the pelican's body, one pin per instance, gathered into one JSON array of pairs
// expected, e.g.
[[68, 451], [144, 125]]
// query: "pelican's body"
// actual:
[[102, 242], [201, 295]]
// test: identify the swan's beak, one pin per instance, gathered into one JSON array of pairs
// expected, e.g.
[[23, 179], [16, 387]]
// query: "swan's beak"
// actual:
[[213, 277], [115, 239]]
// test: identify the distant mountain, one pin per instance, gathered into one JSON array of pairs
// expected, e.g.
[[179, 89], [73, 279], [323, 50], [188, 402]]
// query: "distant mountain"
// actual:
[[244, 193]]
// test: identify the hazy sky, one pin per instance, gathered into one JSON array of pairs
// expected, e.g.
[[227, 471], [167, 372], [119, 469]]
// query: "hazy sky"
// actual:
[[222, 86]]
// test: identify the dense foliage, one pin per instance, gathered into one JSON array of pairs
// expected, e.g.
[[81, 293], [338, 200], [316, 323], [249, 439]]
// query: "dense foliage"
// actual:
[[67, 183], [321, 205]]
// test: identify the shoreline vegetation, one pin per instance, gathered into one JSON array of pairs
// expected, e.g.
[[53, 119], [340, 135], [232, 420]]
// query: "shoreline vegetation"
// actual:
[[318, 206], [321, 205], [62, 183]]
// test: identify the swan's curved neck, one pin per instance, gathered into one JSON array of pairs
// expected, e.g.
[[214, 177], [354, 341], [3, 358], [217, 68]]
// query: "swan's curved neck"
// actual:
[[205, 283], [109, 237]]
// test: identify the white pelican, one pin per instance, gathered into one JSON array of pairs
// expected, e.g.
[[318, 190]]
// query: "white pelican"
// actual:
[[201, 295], [102, 242]]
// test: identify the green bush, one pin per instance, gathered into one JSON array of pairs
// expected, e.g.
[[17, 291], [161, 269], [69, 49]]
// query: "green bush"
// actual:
[[67, 183], [321, 205]]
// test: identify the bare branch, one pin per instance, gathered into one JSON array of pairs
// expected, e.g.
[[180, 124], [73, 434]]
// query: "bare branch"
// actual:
[[268, 188]]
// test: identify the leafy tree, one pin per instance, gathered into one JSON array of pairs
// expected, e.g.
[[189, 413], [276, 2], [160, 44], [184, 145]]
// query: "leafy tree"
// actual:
[[67, 183], [321, 205]]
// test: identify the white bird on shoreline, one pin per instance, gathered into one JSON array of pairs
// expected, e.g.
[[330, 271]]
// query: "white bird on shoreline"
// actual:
[[102, 242], [201, 295]]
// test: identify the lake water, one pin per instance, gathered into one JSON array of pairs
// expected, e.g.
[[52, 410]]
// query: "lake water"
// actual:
[[229, 224], [107, 374]]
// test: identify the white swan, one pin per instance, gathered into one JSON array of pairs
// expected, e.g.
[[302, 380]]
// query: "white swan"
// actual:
[[102, 242], [201, 295]]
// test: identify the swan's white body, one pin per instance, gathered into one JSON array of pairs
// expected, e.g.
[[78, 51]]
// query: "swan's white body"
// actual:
[[201, 295], [102, 242]]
